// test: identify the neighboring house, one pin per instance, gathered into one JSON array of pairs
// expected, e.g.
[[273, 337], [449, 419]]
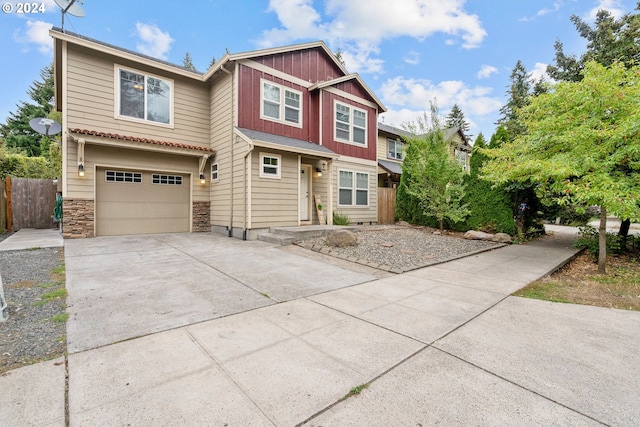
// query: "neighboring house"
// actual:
[[460, 146], [151, 147], [391, 149]]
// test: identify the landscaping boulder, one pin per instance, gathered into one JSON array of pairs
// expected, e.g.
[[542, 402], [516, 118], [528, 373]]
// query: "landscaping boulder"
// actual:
[[477, 235], [341, 238], [501, 238]]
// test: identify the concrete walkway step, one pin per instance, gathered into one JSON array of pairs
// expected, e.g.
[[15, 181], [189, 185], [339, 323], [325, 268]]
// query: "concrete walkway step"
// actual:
[[277, 239]]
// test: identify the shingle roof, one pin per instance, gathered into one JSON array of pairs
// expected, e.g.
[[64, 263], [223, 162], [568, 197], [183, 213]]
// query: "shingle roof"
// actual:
[[141, 139], [393, 130], [291, 143], [392, 167]]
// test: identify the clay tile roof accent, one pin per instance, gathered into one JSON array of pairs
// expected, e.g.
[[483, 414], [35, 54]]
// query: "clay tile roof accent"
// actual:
[[140, 139]]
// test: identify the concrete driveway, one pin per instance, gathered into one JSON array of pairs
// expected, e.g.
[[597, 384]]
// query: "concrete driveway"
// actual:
[[130, 286]]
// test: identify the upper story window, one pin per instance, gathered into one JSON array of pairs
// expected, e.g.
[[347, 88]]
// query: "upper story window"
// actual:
[[144, 97], [281, 104], [395, 149], [462, 158], [350, 124]]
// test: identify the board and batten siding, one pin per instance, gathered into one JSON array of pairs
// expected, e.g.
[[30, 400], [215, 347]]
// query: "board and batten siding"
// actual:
[[91, 98], [274, 201], [363, 214]]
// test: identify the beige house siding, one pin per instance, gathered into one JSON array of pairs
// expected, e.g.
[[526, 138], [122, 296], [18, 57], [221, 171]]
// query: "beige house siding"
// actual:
[[221, 139], [362, 214], [274, 201], [91, 100]]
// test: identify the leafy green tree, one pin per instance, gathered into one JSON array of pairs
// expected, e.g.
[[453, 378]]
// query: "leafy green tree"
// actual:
[[490, 206], [608, 40], [339, 58], [583, 141], [187, 62], [434, 178], [456, 119], [17, 133]]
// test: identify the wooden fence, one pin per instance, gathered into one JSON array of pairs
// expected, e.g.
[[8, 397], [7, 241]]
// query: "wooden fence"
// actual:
[[386, 205], [27, 203]]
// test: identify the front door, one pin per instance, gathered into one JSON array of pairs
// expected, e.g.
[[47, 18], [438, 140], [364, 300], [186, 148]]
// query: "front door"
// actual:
[[305, 184]]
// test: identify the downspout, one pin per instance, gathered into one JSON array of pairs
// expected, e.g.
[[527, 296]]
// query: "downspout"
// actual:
[[232, 159], [246, 204]]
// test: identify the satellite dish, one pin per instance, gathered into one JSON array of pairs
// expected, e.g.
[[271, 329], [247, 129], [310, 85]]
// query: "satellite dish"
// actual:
[[45, 127], [70, 6]]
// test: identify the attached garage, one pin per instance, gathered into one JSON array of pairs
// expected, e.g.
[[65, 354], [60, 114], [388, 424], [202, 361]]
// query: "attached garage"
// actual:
[[141, 202]]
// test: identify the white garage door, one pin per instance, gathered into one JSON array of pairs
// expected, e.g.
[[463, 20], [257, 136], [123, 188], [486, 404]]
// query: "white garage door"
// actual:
[[141, 202]]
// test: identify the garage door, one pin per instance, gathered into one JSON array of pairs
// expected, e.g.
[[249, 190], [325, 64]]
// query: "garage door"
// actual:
[[141, 202]]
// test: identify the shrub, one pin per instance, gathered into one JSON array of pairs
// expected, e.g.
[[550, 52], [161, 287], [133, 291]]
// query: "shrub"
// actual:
[[588, 239], [341, 219]]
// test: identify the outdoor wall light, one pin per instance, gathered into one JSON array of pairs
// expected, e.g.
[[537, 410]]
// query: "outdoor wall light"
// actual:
[[318, 172], [202, 180], [80, 170]]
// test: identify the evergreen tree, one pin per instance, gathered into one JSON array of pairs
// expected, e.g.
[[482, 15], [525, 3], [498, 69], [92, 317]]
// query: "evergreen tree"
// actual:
[[187, 62], [609, 40], [17, 133], [340, 58], [456, 119], [213, 61], [490, 207], [518, 93]]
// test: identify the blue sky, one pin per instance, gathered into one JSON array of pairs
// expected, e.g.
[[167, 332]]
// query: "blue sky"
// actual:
[[409, 52]]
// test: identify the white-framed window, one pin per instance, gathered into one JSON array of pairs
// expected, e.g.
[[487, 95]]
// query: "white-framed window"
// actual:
[[395, 149], [214, 171], [144, 97], [270, 165], [158, 178], [353, 188], [350, 124], [123, 176], [280, 104], [461, 157]]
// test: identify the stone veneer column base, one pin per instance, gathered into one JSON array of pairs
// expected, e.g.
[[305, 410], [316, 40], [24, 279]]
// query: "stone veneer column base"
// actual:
[[77, 218], [201, 217]]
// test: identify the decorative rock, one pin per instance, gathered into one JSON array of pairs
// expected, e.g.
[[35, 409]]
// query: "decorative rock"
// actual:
[[341, 238], [477, 235], [501, 238]]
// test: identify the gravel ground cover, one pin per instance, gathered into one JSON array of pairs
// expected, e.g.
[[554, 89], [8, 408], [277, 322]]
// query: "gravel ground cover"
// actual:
[[401, 248], [34, 288]]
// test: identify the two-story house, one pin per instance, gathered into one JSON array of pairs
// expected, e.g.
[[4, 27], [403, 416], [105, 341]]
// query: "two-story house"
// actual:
[[151, 147], [391, 149]]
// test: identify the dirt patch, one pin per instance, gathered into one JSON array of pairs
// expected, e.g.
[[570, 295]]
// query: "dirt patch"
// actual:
[[578, 282]]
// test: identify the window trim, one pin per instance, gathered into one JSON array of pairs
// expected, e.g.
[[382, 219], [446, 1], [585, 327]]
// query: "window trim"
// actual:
[[116, 108], [278, 167], [217, 172], [282, 105], [352, 124], [395, 142], [354, 188]]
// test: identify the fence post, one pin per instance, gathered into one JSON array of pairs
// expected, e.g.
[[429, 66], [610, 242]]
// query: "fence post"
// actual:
[[9, 205]]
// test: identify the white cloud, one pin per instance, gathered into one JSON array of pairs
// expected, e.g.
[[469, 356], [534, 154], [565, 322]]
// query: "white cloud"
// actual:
[[357, 27], [36, 32], [486, 71], [540, 70], [412, 58], [613, 6], [415, 94], [153, 41]]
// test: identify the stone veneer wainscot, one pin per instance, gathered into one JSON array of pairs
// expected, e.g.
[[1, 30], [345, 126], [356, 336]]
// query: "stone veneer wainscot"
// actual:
[[77, 218]]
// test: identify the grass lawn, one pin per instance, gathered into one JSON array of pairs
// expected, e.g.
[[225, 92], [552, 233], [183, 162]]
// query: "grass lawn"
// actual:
[[579, 283]]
